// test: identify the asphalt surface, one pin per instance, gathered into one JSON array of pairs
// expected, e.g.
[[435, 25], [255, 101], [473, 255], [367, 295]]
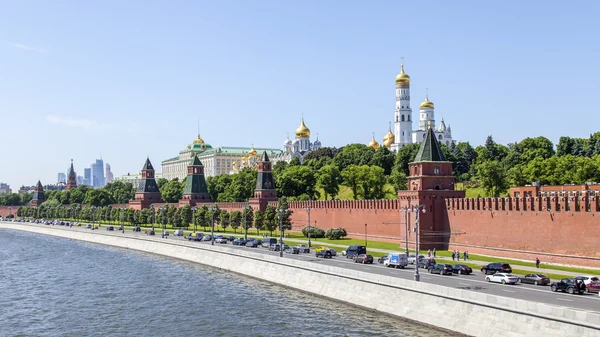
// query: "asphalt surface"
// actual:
[[474, 282]]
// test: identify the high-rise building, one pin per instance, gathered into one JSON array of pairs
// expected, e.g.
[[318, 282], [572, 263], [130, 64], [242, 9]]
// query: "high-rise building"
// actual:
[[79, 180], [5, 189], [109, 174], [62, 178], [87, 176], [98, 173]]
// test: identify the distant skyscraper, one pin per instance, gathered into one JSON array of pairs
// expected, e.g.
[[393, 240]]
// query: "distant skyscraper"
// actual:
[[62, 178], [98, 173], [79, 180], [109, 174], [5, 189], [87, 176]]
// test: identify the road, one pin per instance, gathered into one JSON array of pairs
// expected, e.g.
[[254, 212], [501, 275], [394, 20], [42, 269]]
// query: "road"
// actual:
[[474, 282]]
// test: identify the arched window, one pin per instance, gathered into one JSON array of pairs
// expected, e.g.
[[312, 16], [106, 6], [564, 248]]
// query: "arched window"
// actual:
[[440, 137], [403, 118], [436, 170]]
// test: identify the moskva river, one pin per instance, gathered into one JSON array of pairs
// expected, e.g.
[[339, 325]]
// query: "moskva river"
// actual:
[[59, 287]]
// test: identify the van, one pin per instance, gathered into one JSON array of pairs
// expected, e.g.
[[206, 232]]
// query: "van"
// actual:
[[396, 260], [353, 251], [178, 232], [268, 242]]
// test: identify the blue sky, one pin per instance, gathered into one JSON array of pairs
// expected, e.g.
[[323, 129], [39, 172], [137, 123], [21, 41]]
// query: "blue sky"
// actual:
[[125, 79]]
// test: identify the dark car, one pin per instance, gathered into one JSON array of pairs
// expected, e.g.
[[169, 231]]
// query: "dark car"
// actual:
[[324, 253], [149, 232], [383, 259], [535, 279], [207, 238], [567, 285], [364, 258], [195, 237], [425, 262], [253, 243], [230, 238], [353, 251], [110, 228], [441, 268], [462, 269], [303, 249], [239, 242], [137, 229], [291, 250], [496, 267], [120, 228]]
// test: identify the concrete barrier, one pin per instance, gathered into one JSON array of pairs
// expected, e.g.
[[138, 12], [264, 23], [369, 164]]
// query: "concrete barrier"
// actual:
[[467, 312]]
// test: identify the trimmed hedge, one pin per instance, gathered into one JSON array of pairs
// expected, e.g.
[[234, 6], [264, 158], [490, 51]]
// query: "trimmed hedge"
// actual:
[[315, 232], [335, 233]]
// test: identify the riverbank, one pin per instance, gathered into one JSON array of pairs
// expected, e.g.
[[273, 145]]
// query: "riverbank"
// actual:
[[459, 310]]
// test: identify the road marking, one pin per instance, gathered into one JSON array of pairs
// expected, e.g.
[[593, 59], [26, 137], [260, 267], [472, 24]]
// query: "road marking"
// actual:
[[564, 299], [508, 291]]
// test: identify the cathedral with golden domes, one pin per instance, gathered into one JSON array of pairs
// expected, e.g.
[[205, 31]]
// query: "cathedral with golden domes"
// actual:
[[403, 132], [299, 147]]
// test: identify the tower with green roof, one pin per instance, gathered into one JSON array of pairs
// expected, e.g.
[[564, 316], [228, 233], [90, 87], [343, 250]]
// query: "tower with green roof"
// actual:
[[195, 190]]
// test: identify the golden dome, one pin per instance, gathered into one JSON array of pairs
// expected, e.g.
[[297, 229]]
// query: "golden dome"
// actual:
[[252, 152], [427, 104], [235, 163], [302, 130], [389, 139], [402, 77], [373, 143], [198, 140]]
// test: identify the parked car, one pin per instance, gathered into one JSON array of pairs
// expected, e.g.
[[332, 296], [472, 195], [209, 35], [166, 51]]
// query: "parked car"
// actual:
[[412, 258], [120, 228], [535, 279], [110, 228], [324, 253], [291, 250], [268, 242], [230, 238], [303, 249], [594, 287], [382, 259], [496, 267], [461, 269], [221, 239], [165, 233], [253, 243], [239, 242], [441, 268], [364, 258], [396, 260], [502, 278], [426, 262], [149, 232], [207, 238], [587, 280], [566, 285], [88, 226], [195, 237], [353, 251], [178, 232], [137, 229]]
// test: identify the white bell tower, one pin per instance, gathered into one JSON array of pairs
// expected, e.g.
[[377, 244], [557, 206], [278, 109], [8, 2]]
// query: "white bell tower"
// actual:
[[403, 112]]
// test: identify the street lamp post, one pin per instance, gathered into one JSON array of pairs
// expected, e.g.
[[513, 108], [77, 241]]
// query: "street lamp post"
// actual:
[[121, 218], [162, 210], [9, 211], [281, 211], [153, 216], [406, 210], [194, 209], [417, 210], [212, 224], [164, 225], [245, 225], [93, 216], [308, 210], [365, 235]]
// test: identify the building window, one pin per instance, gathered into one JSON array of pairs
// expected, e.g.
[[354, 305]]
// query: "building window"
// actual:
[[440, 137], [436, 170], [402, 135], [403, 118]]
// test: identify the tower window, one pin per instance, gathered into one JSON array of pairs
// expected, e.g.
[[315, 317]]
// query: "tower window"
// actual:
[[408, 118], [440, 137], [402, 133], [436, 170], [403, 118], [403, 107]]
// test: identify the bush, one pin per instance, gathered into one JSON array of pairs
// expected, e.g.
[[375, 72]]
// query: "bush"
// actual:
[[335, 233], [315, 232]]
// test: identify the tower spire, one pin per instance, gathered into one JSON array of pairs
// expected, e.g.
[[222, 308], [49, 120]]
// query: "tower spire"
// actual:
[[427, 93], [402, 64]]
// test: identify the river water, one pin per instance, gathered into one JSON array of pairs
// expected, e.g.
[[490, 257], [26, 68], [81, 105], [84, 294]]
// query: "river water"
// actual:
[[58, 287]]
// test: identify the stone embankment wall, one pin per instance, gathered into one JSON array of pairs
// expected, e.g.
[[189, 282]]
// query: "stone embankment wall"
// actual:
[[471, 313]]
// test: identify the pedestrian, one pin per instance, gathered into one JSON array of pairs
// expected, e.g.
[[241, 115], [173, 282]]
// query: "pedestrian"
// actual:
[[434, 251], [428, 252], [458, 255], [465, 255], [453, 254], [537, 262]]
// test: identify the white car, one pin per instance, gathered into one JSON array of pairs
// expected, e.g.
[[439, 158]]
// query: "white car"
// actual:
[[587, 279], [221, 240], [502, 278], [412, 258], [343, 252]]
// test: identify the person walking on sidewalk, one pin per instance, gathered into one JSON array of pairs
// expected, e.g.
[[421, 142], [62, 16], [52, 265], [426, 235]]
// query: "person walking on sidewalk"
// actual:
[[537, 262], [453, 256], [434, 251], [428, 252], [466, 255]]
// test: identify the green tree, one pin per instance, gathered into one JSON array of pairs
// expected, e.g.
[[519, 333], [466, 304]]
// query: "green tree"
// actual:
[[161, 182], [406, 155], [398, 180], [98, 197], [352, 178], [329, 179], [492, 177], [270, 219], [186, 215], [296, 181], [201, 216], [353, 154], [247, 218], [539, 147], [373, 182], [224, 219], [236, 220], [384, 158], [259, 221], [172, 191]]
